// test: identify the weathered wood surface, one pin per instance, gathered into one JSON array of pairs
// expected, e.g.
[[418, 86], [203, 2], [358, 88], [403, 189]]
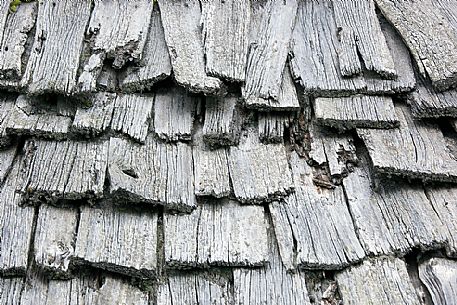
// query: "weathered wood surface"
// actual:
[[55, 236], [115, 291], [60, 28], [222, 125], [226, 26], [271, 31], [259, 172], [426, 102], [7, 156], [120, 241], [272, 126], [92, 67], [119, 29], [271, 285], [63, 170], [16, 225], [439, 275], [27, 119], [416, 149], [10, 290], [433, 47], [174, 112], [14, 34], [394, 217], [155, 64], [382, 281], [362, 41], [6, 104], [222, 233], [182, 27], [195, 288], [314, 227], [155, 172], [356, 111]]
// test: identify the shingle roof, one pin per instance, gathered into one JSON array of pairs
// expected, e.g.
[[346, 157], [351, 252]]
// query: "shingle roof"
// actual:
[[228, 152]]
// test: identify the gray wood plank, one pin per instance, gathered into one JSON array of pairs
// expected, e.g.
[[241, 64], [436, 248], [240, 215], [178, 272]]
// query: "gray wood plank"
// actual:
[[222, 125], [314, 227], [392, 217], [416, 149], [182, 27], [195, 288], [362, 41], [7, 156], [60, 28], [155, 64], [439, 275], [16, 225], [382, 281], [268, 49], [432, 47], [226, 26], [222, 233], [91, 70], [54, 241], [356, 111], [174, 112], [119, 241], [6, 104], [13, 41], [259, 172], [63, 170], [11, 290], [115, 291], [156, 173], [272, 126]]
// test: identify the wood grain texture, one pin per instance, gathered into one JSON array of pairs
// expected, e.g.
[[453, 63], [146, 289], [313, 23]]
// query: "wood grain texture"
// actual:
[[174, 114], [226, 26], [55, 236], [222, 233], [439, 275], [272, 126], [182, 27], [416, 149], [259, 172], [268, 49], [6, 105], [63, 170], [382, 281], [155, 64], [314, 227], [120, 241], [155, 173], [356, 111], [11, 290], [433, 47], [60, 28], [7, 156], [222, 125]]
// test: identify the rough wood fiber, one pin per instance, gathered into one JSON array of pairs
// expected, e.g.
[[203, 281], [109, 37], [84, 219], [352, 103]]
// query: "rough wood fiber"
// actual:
[[222, 124], [356, 111], [120, 241], [439, 275], [361, 38], [174, 114], [155, 65], [26, 119], [63, 170], [271, 31], [188, 288], [416, 149], [115, 291], [382, 281], [222, 233], [6, 161], [433, 47], [92, 68], [155, 172], [54, 243], [119, 29], [59, 38], [394, 217], [314, 227], [11, 290], [182, 27], [259, 172], [6, 104], [14, 36], [272, 126], [271, 285], [226, 37], [16, 225]]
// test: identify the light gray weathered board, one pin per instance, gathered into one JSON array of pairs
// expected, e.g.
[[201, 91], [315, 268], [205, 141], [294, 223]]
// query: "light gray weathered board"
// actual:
[[222, 125], [272, 126], [439, 275]]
